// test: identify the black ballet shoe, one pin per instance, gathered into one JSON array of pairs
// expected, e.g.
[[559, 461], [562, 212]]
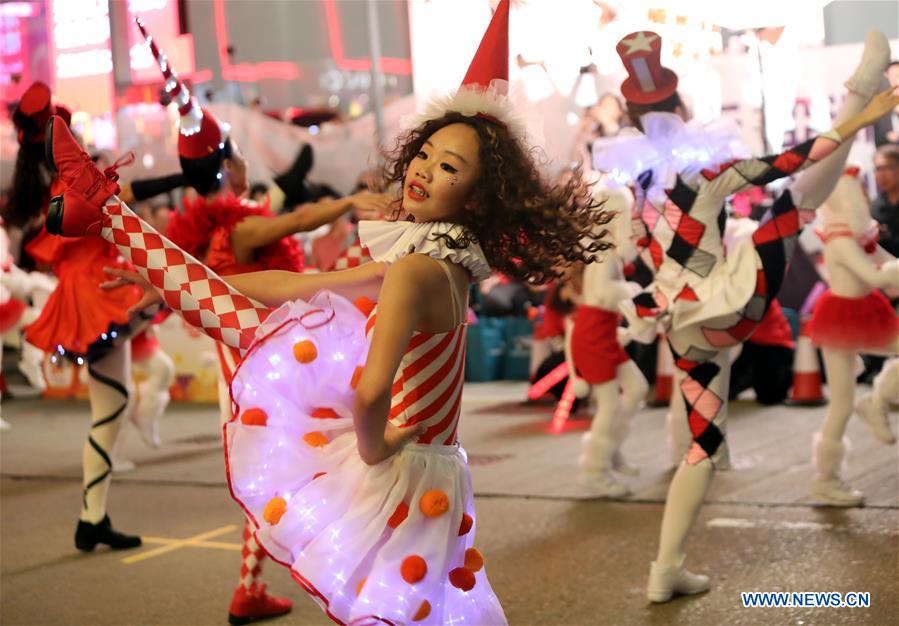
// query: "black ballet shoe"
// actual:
[[88, 535]]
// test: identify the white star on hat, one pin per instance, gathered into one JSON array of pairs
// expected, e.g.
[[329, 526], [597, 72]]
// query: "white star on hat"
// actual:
[[639, 42]]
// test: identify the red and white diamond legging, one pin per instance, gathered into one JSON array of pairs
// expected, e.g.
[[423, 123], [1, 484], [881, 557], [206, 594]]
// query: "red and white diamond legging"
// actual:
[[198, 294]]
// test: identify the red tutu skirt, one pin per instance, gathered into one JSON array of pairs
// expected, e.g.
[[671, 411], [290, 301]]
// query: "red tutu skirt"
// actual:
[[78, 313], [594, 344], [857, 324]]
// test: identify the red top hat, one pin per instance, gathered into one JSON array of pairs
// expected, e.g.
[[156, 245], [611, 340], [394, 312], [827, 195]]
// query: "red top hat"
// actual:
[[200, 133], [647, 82], [491, 61], [33, 112]]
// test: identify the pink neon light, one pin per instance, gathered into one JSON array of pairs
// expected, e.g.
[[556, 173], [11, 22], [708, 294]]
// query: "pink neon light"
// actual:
[[19, 9], [390, 65], [557, 375], [563, 409], [247, 72]]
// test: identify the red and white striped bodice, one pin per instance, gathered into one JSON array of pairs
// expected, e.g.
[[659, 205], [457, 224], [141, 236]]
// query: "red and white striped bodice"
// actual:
[[427, 387]]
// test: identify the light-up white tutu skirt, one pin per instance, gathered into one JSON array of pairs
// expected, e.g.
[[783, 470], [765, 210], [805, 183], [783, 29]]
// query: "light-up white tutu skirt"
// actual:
[[389, 543]]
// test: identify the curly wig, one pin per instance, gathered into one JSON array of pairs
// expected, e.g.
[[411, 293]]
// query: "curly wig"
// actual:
[[528, 229]]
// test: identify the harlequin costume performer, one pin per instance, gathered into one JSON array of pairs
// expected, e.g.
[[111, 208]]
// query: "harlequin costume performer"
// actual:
[[852, 316], [706, 301], [386, 534], [214, 167], [598, 358], [82, 322]]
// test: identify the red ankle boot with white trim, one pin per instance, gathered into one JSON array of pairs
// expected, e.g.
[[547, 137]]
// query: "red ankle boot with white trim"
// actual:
[[78, 211], [253, 604]]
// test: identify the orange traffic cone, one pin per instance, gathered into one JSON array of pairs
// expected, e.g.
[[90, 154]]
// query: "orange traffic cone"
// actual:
[[806, 389], [664, 374]]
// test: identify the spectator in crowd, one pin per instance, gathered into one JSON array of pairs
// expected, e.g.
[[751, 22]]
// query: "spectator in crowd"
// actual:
[[160, 212], [802, 130], [885, 207], [886, 130], [604, 119], [259, 192]]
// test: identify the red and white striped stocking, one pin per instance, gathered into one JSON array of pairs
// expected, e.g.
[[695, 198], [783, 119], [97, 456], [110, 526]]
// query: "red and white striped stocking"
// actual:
[[201, 297]]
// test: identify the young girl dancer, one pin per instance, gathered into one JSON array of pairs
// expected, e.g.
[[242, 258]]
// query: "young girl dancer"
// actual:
[[79, 320], [706, 301], [352, 474], [851, 317], [615, 380]]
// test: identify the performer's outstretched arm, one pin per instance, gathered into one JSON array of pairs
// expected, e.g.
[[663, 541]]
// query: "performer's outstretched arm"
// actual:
[[275, 287]]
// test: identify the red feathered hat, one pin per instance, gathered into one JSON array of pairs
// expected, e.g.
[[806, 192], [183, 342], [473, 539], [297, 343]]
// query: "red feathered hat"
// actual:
[[33, 112], [647, 80], [200, 133]]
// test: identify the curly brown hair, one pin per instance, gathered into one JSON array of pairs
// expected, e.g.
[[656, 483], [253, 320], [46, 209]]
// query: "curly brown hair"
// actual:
[[528, 229]]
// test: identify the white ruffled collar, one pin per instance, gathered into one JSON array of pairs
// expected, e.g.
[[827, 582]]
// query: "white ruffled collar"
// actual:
[[389, 241]]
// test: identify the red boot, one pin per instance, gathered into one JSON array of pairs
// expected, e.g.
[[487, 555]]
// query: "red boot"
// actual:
[[78, 211], [253, 605]]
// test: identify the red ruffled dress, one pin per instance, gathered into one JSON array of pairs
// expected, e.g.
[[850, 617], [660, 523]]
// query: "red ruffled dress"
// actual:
[[78, 313], [594, 344], [856, 324], [204, 229]]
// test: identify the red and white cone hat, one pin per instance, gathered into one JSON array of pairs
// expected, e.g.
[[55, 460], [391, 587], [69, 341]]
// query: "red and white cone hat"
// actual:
[[648, 81], [200, 133], [484, 91]]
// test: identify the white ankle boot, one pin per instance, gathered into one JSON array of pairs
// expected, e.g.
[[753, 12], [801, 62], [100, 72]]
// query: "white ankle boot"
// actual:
[[873, 411], [620, 465], [666, 581], [828, 486], [596, 468], [31, 366], [151, 404], [867, 79]]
